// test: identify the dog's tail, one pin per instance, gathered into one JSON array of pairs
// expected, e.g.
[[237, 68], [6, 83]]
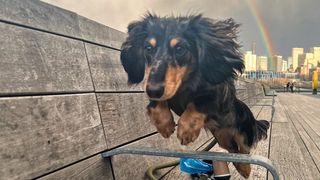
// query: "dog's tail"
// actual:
[[254, 130], [262, 129]]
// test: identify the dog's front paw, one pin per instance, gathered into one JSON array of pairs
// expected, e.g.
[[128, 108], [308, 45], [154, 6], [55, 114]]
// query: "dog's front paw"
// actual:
[[187, 134], [190, 124], [165, 128], [162, 118]]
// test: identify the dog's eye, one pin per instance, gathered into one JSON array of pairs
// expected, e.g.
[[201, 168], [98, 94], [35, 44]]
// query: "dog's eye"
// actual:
[[179, 50], [148, 49]]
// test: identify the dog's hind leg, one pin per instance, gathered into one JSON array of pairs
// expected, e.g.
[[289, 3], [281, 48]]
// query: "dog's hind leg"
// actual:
[[231, 140], [243, 168], [161, 117]]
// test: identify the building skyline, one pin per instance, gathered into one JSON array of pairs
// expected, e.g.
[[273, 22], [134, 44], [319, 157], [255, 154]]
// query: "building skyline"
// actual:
[[277, 63]]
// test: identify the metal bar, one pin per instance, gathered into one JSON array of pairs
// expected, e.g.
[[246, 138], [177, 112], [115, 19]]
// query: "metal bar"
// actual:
[[215, 156]]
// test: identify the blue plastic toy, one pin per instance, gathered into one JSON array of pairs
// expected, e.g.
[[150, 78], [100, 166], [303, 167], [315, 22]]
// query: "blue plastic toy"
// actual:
[[195, 166]]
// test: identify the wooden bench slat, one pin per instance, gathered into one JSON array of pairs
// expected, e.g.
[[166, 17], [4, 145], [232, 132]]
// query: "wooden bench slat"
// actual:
[[41, 134], [96, 168], [124, 117], [107, 71], [38, 14], [36, 62], [98, 33]]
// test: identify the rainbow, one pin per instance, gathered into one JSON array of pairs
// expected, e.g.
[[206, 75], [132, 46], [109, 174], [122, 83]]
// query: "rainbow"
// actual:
[[263, 29]]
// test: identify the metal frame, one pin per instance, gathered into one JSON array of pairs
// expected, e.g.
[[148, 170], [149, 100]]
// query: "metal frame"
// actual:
[[215, 156]]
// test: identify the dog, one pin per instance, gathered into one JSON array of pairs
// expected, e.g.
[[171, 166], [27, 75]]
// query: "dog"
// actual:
[[188, 65]]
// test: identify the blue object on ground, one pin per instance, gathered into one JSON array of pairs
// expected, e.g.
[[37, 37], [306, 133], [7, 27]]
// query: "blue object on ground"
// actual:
[[195, 166]]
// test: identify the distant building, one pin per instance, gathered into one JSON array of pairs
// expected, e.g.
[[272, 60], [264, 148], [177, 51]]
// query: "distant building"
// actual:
[[277, 63], [290, 67], [316, 55], [284, 65], [262, 63], [308, 59], [271, 66], [253, 48], [250, 61], [295, 54]]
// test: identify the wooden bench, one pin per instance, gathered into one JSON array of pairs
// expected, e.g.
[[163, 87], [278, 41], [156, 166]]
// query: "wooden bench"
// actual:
[[64, 99]]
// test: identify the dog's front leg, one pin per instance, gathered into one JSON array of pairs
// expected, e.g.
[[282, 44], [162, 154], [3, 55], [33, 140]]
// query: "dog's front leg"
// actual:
[[190, 124], [161, 117]]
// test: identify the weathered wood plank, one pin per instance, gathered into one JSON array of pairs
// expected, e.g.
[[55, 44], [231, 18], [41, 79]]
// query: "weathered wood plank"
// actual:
[[36, 62], [107, 71], [40, 15], [95, 168], [124, 117], [41, 134], [129, 166], [98, 33], [288, 155]]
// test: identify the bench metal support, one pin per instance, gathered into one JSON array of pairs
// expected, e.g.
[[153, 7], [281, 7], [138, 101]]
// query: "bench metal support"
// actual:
[[215, 156]]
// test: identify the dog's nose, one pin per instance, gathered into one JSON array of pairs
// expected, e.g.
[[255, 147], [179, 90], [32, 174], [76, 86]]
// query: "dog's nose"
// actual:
[[155, 90]]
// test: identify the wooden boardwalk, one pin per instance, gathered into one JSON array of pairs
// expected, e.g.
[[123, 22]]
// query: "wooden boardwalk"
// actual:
[[295, 136]]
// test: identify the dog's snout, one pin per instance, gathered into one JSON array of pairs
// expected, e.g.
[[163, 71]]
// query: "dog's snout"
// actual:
[[155, 90]]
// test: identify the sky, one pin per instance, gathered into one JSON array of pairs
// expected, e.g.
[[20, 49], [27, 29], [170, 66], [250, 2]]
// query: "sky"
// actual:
[[290, 23]]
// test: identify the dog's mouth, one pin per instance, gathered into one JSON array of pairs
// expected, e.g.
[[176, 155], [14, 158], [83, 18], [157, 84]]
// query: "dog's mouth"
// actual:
[[169, 87]]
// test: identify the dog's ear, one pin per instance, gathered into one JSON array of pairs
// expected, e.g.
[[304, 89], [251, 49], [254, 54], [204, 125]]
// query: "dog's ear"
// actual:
[[132, 56], [218, 50]]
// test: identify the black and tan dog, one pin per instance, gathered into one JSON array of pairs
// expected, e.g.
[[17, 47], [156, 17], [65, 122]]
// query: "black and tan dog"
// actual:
[[189, 65]]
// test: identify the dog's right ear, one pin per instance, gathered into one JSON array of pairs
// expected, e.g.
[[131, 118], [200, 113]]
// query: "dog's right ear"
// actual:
[[132, 52]]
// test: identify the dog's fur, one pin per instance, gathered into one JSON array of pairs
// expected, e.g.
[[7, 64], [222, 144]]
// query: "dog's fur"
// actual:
[[189, 65]]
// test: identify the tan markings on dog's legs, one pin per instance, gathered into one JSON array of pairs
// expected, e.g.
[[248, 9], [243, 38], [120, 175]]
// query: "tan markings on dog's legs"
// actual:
[[190, 124], [231, 140], [243, 168], [162, 118], [173, 80], [173, 42], [153, 42]]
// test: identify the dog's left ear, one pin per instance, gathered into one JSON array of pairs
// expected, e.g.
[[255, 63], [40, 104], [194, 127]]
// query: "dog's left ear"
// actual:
[[218, 50], [132, 57]]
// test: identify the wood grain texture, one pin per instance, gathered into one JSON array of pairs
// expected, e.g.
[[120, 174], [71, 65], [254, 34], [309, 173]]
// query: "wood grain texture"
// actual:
[[98, 33], [124, 117], [299, 111], [40, 15], [134, 166], [287, 154], [41, 134], [95, 168], [36, 62], [107, 71]]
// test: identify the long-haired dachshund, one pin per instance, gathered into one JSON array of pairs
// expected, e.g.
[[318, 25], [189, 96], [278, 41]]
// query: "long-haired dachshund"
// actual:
[[189, 65]]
